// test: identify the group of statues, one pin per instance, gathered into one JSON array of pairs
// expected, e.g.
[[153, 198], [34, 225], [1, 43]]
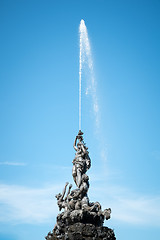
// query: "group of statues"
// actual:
[[78, 198], [76, 202]]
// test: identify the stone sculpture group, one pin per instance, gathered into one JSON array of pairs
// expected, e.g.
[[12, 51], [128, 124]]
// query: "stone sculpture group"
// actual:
[[78, 212]]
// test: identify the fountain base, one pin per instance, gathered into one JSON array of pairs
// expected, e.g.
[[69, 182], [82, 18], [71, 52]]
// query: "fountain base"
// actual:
[[81, 231]]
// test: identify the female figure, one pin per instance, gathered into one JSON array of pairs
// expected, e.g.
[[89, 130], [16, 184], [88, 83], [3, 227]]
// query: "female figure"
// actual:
[[81, 162]]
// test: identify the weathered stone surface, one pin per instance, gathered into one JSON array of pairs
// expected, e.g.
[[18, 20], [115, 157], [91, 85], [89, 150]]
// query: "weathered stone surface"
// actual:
[[81, 231], [80, 218]]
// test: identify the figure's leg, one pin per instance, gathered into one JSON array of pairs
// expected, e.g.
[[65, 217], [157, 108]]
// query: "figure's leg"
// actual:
[[79, 178], [74, 173], [85, 203], [78, 205]]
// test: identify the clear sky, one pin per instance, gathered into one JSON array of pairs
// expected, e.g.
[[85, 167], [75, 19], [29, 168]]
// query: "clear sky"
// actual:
[[39, 64]]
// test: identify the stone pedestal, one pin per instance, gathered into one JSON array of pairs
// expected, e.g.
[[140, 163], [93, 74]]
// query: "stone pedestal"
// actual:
[[81, 231], [81, 225]]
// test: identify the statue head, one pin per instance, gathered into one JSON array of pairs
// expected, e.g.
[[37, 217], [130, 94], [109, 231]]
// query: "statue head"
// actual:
[[80, 136], [74, 194], [107, 213], [80, 133], [58, 196]]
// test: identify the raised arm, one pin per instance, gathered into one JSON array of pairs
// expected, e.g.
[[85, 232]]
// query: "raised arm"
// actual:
[[64, 190], [74, 145], [83, 148], [70, 186]]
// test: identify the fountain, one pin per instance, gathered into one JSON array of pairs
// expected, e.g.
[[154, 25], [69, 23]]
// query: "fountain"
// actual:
[[79, 218]]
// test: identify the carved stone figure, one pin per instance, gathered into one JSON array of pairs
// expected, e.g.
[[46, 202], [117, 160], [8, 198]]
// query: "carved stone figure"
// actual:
[[61, 202], [81, 162]]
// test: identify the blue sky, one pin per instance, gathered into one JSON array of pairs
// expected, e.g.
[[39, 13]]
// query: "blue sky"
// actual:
[[39, 113]]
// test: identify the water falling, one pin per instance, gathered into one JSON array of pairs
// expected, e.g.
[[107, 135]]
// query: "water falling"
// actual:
[[85, 57]]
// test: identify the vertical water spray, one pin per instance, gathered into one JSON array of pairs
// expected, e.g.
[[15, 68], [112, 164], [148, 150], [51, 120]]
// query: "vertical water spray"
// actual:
[[81, 27], [85, 57], [80, 74]]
